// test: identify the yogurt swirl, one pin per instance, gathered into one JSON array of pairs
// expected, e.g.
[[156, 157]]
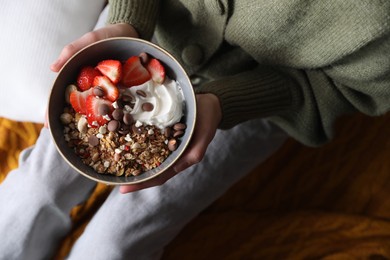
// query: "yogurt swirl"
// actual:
[[167, 103]]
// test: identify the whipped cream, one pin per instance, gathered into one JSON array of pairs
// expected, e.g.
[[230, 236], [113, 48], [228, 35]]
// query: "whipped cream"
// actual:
[[167, 100]]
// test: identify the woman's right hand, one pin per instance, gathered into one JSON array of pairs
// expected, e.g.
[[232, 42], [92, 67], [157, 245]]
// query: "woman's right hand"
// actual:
[[109, 31]]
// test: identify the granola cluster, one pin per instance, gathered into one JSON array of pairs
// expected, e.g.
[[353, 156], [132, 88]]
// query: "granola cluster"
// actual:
[[122, 154]]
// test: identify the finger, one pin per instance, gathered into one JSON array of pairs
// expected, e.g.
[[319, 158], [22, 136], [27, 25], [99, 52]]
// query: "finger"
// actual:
[[188, 158], [46, 123], [157, 181], [192, 156], [91, 37], [196, 150], [70, 49]]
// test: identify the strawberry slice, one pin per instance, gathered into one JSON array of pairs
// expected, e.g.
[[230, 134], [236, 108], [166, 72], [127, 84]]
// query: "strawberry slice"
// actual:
[[156, 70], [134, 73], [112, 69], [111, 92], [86, 76], [98, 110], [78, 100]]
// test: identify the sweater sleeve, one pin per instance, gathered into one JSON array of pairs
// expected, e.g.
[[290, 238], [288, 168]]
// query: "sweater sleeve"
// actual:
[[324, 64], [142, 14], [306, 102], [260, 92]]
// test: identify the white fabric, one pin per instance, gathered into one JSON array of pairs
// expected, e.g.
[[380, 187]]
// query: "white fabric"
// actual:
[[36, 198], [33, 33]]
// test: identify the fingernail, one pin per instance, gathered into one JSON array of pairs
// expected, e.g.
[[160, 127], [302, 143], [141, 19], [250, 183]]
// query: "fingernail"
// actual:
[[54, 65], [123, 189]]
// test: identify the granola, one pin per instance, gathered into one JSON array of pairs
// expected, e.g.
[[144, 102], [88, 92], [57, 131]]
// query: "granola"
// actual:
[[118, 125]]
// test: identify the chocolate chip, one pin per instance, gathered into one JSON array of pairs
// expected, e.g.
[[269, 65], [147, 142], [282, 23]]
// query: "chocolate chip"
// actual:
[[179, 126], [127, 98], [113, 125], [128, 119], [136, 130], [141, 93], [124, 129], [167, 132], [117, 114], [147, 107], [93, 140], [178, 133], [103, 109], [119, 103], [98, 91]]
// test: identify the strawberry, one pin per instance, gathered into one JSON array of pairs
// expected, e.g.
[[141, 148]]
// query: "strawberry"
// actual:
[[112, 69], [156, 70], [111, 92], [78, 100], [86, 77], [97, 110], [134, 73]]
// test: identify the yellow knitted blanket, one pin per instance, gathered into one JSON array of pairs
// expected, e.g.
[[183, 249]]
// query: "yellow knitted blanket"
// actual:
[[327, 203], [15, 136]]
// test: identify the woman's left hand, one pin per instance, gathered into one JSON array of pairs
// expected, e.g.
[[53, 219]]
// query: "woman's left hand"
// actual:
[[109, 31], [208, 118]]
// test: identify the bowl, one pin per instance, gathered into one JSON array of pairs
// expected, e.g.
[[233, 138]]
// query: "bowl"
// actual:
[[119, 48]]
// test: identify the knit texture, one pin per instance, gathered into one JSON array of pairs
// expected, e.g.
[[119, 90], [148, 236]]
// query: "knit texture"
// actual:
[[140, 14], [333, 56], [237, 100]]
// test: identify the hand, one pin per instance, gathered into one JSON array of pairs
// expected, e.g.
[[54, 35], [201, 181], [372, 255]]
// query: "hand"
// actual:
[[208, 118], [109, 31]]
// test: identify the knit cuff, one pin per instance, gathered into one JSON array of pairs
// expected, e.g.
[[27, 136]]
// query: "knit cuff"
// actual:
[[249, 95], [141, 14]]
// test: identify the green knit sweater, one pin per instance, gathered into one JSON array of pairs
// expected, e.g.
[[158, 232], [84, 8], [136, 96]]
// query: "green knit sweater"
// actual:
[[299, 63]]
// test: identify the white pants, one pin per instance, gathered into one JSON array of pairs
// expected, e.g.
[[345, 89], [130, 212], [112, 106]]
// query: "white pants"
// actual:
[[36, 198]]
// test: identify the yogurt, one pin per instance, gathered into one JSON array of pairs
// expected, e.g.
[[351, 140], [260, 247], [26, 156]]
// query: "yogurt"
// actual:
[[165, 103]]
